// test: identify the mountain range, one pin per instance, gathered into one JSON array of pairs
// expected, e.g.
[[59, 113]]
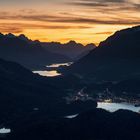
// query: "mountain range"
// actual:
[[27, 52], [71, 49], [33, 54]]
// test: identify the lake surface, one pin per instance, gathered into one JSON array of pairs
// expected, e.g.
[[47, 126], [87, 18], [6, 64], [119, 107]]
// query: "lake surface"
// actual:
[[71, 116], [116, 106], [59, 64], [52, 73], [112, 107], [5, 131]]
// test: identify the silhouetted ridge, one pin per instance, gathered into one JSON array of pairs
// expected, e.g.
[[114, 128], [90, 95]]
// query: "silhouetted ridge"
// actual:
[[27, 52], [116, 58], [23, 37], [71, 49], [124, 43]]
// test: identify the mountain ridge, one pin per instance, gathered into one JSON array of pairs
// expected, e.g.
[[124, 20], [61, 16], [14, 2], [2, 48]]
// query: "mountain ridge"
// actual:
[[71, 49], [29, 53], [35, 55], [115, 58]]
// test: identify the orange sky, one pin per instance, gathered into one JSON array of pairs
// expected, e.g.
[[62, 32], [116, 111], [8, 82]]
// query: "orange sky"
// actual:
[[85, 21]]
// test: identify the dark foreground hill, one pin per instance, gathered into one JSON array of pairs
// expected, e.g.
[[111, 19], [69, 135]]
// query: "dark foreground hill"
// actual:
[[117, 58], [96, 124], [21, 91], [23, 94]]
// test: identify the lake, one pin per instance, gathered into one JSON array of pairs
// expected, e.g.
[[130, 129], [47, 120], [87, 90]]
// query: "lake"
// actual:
[[116, 106], [52, 73], [59, 64], [5, 130]]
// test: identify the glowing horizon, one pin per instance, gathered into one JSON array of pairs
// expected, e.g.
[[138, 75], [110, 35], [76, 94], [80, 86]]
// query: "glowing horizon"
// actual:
[[85, 21]]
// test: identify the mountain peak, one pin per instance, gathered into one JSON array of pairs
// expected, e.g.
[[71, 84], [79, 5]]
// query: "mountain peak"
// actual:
[[72, 42], [136, 28], [10, 35], [1, 35], [23, 37], [91, 45]]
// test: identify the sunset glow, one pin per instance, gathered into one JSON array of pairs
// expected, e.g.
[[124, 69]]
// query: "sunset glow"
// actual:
[[84, 21]]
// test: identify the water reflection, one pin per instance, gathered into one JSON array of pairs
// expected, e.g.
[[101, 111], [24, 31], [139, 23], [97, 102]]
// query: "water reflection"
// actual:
[[52, 73], [71, 116], [48, 73], [5, 131], [116, 106]]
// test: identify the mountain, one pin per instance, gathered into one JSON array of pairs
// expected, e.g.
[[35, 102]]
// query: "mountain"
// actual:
[[27, 52], [71, 49], [117, 58]]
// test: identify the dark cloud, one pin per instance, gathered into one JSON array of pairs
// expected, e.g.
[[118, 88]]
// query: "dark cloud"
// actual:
[[28, 11], [71, 19], [96, 3], [109, 13], [91, 4], [12, 29], [19, 27], [114, 1], [114, 5], [102, 33], [97, 21]]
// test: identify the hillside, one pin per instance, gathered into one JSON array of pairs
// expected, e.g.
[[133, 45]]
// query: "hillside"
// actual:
[[116, 58], [96, 124]]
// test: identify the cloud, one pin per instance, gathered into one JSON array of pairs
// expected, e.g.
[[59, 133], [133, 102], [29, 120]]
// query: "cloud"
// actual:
[[20, 27], [97, 21], [10, 29], [109, 12], [120, 12], [102, 33], [133, 5], [108, 8], [96, 3], [69, 19]]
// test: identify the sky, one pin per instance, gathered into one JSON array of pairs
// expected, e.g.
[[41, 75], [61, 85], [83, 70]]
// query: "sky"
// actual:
[[85, 21]]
